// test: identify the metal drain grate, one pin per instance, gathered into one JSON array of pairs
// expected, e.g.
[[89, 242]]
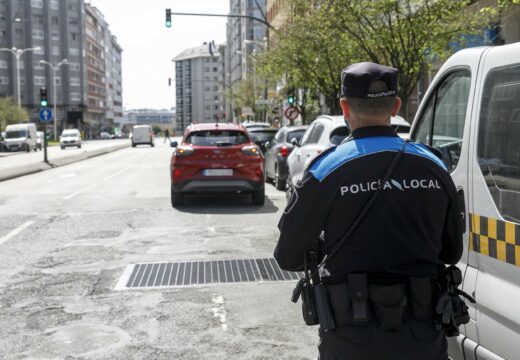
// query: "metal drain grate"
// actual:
[[192, 273]]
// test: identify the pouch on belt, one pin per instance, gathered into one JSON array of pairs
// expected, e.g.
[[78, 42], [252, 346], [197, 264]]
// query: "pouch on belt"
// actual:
[[389, 303]]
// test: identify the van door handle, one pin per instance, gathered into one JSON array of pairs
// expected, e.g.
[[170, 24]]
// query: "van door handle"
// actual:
[[462, 207]]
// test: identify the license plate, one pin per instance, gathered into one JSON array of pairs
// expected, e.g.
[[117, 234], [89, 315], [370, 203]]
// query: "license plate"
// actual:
[[218, 172]]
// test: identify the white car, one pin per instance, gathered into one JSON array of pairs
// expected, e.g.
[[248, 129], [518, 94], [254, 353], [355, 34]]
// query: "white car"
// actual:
[[142, 135], [39, 140], [70, 137]]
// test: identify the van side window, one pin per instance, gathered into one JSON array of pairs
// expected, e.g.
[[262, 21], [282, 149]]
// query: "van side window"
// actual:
[[498, 146], [441, 124]]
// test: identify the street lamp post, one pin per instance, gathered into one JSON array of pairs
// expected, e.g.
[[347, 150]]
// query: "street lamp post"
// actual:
[[54, 68], [18, 54]]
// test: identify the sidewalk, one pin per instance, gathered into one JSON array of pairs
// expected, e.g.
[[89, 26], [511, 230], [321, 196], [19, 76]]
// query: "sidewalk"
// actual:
[[34, 167]]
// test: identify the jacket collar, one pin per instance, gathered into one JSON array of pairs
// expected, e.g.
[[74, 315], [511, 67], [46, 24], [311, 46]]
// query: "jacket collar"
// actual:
[[373, 131]]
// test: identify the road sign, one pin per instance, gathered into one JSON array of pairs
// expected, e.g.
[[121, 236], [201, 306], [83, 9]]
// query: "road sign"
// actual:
[[45, 115], [291, 113]]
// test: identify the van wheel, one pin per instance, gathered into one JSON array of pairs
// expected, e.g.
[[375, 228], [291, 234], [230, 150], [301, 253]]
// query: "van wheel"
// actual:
[[152, 144], [258, 197], [27, 148], [176, 197], [133, 145], [79, 146], [279, 183]]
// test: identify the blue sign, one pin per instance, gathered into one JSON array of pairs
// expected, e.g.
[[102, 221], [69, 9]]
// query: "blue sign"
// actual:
[[45, 115]]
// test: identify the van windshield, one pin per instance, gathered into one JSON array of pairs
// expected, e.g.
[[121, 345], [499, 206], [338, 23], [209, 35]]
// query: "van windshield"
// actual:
[[217, 138], [69, 135], [16, 134]]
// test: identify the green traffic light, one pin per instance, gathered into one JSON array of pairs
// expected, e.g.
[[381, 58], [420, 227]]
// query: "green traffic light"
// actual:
[[168, 24], [290, 100], [44, 103]]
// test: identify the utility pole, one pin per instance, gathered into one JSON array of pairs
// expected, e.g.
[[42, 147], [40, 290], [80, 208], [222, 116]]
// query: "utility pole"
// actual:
[[18, 54]]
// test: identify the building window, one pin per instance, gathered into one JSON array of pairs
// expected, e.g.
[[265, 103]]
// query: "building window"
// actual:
[[74, 51], [3, 64], [37, 19], [57, 81], [74, 81], [4, 80], [74, 66], [75, 97], [40, 51], [55, 5], [39, 80], [73, 21], [55, 35], [37, 34], [37, 4], [55, 50], [38, 65], [74, 36]]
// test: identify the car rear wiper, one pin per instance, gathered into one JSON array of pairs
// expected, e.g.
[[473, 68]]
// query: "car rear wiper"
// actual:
[[224, 143]]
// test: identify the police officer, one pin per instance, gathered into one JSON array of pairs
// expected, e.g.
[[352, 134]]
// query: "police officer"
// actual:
[[382, 283]]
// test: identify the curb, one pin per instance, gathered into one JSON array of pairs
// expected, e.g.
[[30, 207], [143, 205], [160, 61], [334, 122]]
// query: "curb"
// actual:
[[41, 166]]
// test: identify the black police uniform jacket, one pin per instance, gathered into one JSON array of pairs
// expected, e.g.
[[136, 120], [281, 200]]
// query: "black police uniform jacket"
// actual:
[[413, 228]]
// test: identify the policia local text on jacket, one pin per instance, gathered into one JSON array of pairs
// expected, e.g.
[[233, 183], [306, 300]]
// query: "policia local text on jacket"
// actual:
[[412, 230]]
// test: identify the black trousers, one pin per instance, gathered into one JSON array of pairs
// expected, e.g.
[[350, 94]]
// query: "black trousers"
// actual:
[[418, 340]]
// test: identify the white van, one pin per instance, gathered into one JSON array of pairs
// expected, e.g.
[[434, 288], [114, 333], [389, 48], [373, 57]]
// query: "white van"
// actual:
[[70, 137], [142, 134], [471, 112], [20, 137]]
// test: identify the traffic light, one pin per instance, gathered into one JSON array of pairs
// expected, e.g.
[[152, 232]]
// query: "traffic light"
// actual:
[[168, 18], [43, 97], [291, 99]]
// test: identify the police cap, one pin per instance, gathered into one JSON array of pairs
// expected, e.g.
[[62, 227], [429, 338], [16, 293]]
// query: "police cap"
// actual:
[[356, 80]]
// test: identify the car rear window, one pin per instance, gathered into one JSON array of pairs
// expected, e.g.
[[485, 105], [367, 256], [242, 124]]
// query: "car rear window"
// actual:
[[296, 134], [263, 135], [217, 138]]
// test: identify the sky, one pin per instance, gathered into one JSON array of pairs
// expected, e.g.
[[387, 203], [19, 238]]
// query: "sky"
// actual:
[[148, 46]]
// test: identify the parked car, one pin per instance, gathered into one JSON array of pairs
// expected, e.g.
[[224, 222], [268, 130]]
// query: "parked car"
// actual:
[[324, 132], [20, 137], [39, 140], [70, 137], [216, 158], [401, 126], [261, 136], [471, 113], [142, 135], [105, 135], [277, 152], [255, 125]]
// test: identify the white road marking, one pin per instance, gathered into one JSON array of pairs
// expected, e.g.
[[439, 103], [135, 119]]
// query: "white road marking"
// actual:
[[98, 183], [16, 231]]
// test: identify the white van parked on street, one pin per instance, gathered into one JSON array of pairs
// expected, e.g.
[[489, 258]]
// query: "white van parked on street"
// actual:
[[20, 137], [70, 137], [471, 113], [142, 134]]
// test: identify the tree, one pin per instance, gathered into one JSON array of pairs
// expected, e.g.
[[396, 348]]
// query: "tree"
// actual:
[[10, 113], [326, 36]]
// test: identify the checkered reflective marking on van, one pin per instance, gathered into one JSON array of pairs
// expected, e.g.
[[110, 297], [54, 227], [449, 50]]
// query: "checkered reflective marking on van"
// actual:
[[495, 238]]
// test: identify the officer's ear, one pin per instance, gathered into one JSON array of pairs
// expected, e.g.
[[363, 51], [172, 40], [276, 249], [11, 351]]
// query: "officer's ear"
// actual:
[[344, 107], [397, 106]]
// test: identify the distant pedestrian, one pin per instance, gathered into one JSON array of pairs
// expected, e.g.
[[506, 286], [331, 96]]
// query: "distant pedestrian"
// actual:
[[166, 135]]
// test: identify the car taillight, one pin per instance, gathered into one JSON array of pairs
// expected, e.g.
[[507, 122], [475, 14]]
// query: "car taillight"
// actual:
[[284, 151], [183, 150], [176, 173], [251, 150]]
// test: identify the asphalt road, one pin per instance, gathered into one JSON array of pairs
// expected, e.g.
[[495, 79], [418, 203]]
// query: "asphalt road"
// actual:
[[67, 236], [20, 158]]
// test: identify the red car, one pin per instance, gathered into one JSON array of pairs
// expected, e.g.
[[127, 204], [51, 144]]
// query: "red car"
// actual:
[[216, 158]]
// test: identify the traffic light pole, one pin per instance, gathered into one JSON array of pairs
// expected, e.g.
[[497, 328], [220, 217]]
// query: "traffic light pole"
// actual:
[[45, 159]]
